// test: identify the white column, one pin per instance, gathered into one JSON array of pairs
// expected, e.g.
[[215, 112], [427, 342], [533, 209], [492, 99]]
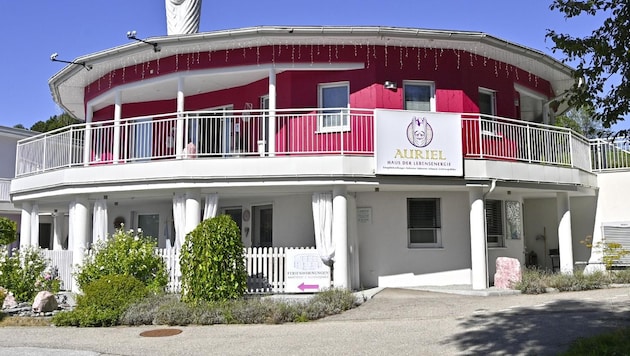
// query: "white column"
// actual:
[[272, 112], [57, 230], [340, 237], [87, 149], [80, 222], [478, 251], [179, 139], [565, 238], [193, 210], [35, 225], [25, 225], [117, 118]]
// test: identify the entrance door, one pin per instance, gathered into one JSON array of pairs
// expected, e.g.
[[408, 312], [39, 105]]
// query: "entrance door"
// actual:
[[213, 131], [262, 223], [45, 234]]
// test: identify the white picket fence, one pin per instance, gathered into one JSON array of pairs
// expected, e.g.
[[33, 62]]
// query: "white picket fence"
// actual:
[[265, 268]]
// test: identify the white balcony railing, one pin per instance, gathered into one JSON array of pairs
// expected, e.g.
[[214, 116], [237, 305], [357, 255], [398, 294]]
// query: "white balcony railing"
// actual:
[[611, 154], [492, 137], [284, 132], [5, 189]]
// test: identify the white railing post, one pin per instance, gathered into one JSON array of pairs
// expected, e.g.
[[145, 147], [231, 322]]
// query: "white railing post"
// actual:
[[117, 117], [88, 136], [529, 144], [272, 113]]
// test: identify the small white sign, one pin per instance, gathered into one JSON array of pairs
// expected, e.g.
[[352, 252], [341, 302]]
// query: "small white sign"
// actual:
[[364, 215], [305, 272]]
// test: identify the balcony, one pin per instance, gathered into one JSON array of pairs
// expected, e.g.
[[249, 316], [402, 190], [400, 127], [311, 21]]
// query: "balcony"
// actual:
[[294, 133]]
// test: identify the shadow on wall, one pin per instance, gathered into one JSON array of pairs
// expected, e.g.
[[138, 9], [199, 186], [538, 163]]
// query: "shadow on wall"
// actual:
[[546, 330]]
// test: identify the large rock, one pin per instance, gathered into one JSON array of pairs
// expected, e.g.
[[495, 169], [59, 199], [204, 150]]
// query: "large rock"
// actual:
[[45, 302], [9, 301], [508, 272]]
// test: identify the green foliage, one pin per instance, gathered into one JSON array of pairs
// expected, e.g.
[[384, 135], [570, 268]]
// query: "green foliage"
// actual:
[[168, 310], [602, 57], [103, 301], [581, 121], [54, 122], [20, 272], [127, 254], [537, 281], [8, 231], [144, 312], [212, 263], [612, 252], [614, 343]]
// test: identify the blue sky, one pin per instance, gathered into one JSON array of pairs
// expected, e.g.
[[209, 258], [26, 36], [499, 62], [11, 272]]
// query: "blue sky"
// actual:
[[30, 31]]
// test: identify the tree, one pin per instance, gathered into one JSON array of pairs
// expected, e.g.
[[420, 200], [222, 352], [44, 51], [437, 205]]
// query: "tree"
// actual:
[[581, 121], [54, 122], [603, 58]]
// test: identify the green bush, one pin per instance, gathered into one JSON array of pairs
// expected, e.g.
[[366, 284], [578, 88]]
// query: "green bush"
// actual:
[[125, 254], [20, 272], [144, 311], [212, 263], [8, 231], [168, 310], [103, 302]]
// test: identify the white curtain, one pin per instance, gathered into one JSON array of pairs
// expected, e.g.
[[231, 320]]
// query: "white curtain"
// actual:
[[99, 221], [35, 226], [322, 219], [179, 218], [212, 204]]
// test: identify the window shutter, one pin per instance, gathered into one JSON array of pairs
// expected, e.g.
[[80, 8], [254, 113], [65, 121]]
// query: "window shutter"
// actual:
[[423, 213], [494, 217]]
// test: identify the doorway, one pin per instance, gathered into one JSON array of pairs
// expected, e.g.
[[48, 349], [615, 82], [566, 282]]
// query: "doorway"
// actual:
[[262, 225]]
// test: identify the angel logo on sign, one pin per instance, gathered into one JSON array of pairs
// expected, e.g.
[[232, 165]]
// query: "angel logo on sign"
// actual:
[[419, 132]]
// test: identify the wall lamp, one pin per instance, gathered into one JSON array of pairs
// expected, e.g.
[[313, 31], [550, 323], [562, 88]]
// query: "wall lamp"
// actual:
[[390, 85], [132, 36], [53, 57]]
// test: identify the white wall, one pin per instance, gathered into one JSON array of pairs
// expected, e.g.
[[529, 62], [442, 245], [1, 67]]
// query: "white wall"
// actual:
[[7, 147], [383, 247], [292, 218], [541, 218]]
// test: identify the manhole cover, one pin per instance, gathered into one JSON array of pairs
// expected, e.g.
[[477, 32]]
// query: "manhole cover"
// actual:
[[160, 332]]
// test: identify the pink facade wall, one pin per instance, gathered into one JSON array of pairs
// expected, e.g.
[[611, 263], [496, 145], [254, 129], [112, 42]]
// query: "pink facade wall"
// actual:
[[457, 76]]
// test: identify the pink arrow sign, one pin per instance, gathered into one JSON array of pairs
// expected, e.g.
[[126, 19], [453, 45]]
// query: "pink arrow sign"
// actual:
[[308, 286]]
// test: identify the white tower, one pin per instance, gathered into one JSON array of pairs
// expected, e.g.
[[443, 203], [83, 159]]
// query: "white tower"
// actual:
[[182, 16]]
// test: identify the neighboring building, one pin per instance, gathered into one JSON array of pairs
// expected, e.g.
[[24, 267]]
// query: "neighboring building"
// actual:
[[8, 142], [417, 156]]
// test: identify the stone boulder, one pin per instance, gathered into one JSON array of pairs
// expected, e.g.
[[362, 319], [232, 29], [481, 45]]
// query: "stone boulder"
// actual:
[[45, 302], [508, 272], [9, 301]]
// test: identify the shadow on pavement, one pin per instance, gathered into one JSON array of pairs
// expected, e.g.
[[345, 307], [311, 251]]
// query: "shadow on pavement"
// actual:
[[540, 330]]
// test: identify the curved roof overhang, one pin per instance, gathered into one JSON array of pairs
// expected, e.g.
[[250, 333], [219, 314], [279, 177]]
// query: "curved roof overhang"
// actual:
[[67, 86]]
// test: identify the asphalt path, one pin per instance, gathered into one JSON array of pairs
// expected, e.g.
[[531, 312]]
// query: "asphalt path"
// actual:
[[393, 322]]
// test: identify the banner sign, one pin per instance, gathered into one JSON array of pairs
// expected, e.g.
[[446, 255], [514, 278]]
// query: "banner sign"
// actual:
[[305, 272], [418, 143]]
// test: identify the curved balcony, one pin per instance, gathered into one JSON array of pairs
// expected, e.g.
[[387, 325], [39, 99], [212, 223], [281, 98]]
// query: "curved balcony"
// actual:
[[210, 136]]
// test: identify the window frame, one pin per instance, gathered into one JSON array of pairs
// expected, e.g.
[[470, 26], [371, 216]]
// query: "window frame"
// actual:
[[498, 240], [436, 226], [430, 84], [324, 114]]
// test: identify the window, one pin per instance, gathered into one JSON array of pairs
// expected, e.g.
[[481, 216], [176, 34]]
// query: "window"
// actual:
[[337, 97], [419, 96], [494, 223], [487, 106], [532, 105], [487, 102], [423, 222], [150, 225]]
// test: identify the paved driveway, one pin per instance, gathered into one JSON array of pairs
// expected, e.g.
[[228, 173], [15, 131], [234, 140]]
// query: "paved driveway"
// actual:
[[394, 322]]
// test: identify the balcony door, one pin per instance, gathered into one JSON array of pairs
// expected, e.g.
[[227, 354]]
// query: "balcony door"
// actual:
[[142, 145], [211, 132], [263, 127], [262, 225]]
